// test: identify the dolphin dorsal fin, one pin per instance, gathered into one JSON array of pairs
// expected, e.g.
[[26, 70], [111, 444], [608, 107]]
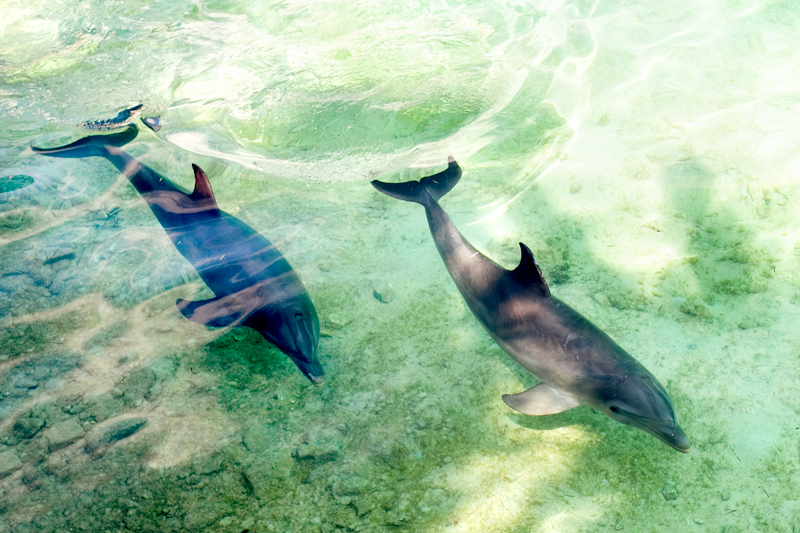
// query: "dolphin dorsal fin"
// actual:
[[202, 187], [529, 273]]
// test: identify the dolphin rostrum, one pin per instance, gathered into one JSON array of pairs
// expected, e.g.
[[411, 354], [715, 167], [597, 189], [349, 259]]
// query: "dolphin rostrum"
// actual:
[[577, 363], [254, 284]]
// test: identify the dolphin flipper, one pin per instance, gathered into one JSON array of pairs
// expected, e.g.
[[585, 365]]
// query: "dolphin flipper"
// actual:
[[541, 399], [214, 312]]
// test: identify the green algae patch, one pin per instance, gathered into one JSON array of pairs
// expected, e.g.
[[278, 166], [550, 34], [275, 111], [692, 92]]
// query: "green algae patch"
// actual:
[[12, 183], [20, 221], [109, 334], [695, 308], [28, 338]]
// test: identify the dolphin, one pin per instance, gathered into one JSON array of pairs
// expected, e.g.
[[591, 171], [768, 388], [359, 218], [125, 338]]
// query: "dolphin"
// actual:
[[254, 284], [576, 362]]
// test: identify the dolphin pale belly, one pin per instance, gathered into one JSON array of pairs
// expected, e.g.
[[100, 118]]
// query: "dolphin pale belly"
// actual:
[[254, 284], [577, 363]]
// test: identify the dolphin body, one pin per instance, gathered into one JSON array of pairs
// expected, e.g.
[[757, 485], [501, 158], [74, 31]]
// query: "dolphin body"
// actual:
[[254, 284], [577, 363]]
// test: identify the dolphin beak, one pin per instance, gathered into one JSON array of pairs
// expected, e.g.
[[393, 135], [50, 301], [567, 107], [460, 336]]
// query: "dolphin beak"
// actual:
[[676, 438], [670, 433], [316, 380], [671, 436]]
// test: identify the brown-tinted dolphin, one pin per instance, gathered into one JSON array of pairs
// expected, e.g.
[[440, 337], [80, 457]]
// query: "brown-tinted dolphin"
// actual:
[[254, 284], [577, 363]]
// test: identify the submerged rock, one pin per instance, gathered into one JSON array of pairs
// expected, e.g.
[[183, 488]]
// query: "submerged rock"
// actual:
[[9, 461], [337, 321], [104, 406], [28, 427], [383, 291], [139, 385], [320, 445], [356, 491], [63, 433], [54, 254], [258, 438], [268, 475], [100, 440], [669, 492]]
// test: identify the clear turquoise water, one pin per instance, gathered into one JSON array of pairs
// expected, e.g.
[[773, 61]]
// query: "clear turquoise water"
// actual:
[[646, 152]]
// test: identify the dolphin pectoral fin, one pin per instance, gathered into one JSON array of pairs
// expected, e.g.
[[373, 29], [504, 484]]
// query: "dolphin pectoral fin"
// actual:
[[214, 312], [541, 399]]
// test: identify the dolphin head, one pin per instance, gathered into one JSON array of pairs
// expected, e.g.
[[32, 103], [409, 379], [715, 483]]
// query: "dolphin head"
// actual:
[[295, 331], [640, 401]]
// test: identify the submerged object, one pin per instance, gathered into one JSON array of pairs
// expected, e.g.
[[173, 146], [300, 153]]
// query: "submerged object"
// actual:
[[254, 284], [123, 118], [154, 123], [577, 363], [13, 183]]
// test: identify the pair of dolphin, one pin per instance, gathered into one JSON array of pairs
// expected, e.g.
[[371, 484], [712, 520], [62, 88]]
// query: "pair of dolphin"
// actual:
[[256, 287]]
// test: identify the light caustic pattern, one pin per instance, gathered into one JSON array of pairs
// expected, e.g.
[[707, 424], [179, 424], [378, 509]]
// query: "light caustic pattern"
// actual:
[[304, 91]]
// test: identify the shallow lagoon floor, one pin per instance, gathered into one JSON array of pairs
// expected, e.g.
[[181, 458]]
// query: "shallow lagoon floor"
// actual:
[[648, 158]]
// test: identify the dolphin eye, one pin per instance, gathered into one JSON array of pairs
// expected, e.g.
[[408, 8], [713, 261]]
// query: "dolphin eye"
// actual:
[[298, 316], [614, 409]]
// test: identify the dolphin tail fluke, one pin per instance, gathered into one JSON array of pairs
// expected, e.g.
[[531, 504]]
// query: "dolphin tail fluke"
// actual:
[[421, 191], [96, 145]]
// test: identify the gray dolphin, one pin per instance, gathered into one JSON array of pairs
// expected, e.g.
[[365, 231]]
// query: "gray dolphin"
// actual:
[[577, 363], [254, 284]]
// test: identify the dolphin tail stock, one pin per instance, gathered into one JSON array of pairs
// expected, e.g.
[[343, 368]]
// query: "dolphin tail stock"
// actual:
[[93, 145], [423, 190]]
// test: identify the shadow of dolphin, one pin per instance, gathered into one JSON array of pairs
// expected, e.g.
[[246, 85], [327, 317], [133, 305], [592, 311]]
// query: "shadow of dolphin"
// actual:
[[577, 363], [254, 284]]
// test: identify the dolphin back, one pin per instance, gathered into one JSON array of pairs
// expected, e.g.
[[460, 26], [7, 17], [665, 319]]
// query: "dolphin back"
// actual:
[[421, 191], [93, 145]]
